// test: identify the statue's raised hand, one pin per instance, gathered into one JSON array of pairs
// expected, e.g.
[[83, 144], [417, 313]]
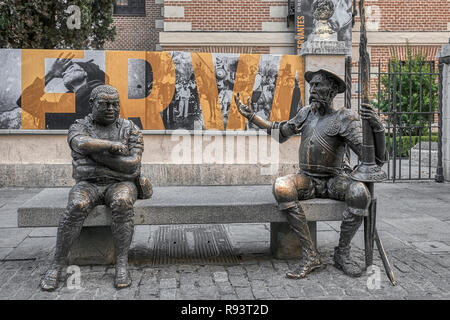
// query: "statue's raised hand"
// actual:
[[367, 113], [245, 110]]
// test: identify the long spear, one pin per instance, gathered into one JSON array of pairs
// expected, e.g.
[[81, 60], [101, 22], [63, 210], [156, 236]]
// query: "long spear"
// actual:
[[368, 171]]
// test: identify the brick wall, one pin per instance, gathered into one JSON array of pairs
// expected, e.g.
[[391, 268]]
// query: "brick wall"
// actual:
[[384, 53], [226, 15], [142, 33], [402, 16], [138, 32], [253, 15], [411, 15]]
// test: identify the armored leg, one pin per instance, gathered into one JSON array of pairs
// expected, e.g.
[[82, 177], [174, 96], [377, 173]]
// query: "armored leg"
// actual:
[[120, 198], [358, 199], [310, 259], [82, 198], [287, 191]]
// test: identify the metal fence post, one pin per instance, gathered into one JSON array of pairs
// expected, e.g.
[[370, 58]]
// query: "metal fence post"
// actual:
[[439, 169]]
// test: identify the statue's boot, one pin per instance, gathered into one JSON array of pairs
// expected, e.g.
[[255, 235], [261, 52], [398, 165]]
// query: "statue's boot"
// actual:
[[342, 258], [68, 232], [122, 231], [122, 278], [51, 278], [310, 260]]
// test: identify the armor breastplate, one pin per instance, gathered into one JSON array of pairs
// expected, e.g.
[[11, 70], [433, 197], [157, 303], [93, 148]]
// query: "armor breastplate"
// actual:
[[322, 149]]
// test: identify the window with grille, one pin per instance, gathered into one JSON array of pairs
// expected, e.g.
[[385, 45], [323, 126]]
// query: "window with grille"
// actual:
[[129, 7]]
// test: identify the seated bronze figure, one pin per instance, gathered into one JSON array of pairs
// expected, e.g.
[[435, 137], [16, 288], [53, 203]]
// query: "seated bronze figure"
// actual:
[[323, 173], [106, 153]]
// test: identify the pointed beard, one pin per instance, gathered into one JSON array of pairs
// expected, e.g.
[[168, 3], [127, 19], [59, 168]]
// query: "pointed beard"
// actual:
[[318, 106]]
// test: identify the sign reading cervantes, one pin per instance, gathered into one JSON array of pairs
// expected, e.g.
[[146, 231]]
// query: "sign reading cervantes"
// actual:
[[340, 21], [49, 89]]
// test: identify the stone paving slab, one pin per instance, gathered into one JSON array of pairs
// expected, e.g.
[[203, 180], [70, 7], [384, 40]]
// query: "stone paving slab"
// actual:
[[411, 223], [432, 246], [43, 232], [32, 248], [4, 252], [12, 237]]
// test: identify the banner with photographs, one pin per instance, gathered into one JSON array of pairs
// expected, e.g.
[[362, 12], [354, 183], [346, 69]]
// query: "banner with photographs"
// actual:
[[50, 89], [340, 21]]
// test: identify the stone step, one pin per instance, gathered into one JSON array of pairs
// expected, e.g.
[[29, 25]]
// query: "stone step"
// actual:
[[428, 153]]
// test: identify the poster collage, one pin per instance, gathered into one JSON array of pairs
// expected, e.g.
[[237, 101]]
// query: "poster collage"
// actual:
[[50, 89]]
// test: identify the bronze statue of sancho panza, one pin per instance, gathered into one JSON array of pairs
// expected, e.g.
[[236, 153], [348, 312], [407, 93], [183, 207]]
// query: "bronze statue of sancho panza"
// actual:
[[106, 153], [325, 131]]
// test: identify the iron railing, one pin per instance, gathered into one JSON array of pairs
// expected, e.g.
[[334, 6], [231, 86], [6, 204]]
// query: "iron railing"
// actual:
[[406, 98]]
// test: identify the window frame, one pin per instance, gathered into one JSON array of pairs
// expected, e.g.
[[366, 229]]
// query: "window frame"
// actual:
[[127, 10]]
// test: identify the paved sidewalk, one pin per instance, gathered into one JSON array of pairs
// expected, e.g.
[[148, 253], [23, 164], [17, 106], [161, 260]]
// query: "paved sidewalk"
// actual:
[[413, 222]]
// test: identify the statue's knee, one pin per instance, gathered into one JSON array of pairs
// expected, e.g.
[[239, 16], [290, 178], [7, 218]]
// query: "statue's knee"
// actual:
[[77, 210], [357, 197], [79, 205], [121, 203], [284, 190]]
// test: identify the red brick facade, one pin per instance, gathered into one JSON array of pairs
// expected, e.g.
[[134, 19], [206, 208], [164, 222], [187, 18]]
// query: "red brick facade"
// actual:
[[382, 54], [412, 15], [226, 15], [140, 33], [137, 32], [406, 16]]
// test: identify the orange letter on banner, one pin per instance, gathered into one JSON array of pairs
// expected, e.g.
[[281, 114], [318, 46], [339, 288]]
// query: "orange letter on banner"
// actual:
[[290, 65], [243, 84], [35, 102], [163, 88], [205, 77]]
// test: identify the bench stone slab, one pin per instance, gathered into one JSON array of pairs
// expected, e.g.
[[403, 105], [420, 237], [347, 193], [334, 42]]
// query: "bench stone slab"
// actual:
[[183, 205]]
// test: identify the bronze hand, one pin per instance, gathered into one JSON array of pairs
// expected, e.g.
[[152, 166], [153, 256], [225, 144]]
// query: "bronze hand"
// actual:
[[118, 148], [245, 110], [368, 113]]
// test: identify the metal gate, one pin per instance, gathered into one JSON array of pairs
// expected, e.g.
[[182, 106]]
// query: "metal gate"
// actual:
[[405, 94]]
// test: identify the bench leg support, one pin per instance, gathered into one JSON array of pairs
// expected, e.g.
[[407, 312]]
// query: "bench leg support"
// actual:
[[284, 243], [94, 247]]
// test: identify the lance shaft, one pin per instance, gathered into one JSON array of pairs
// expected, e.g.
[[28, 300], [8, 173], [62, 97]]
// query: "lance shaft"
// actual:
[[368, 152], [368, 171]]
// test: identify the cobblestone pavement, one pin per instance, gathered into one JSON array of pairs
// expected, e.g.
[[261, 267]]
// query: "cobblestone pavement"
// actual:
[[413, 222]]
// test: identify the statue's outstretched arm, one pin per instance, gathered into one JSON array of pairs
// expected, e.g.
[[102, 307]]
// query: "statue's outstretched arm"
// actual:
[[247, 112], [280, 131]]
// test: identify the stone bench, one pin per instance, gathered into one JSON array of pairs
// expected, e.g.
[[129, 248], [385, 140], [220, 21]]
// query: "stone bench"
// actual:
[[181, 205]]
